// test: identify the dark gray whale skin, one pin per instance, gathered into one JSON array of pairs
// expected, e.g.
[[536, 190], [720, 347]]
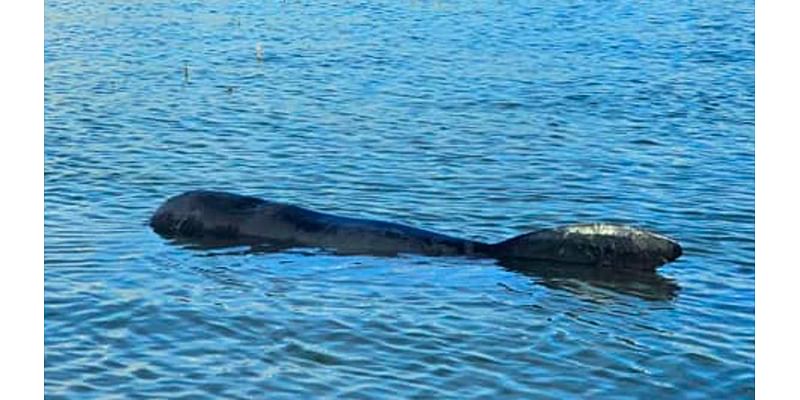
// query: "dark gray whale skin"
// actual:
[[203, 215]]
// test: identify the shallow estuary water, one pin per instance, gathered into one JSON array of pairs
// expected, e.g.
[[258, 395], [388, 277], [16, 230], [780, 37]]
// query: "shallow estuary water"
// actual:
[[476, 119]]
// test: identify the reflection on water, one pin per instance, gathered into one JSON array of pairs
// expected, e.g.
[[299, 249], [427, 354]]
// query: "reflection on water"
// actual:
[[583, 279], [575, 278], [480, 120]]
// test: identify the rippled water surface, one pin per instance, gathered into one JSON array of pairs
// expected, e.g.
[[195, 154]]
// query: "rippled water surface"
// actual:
[[476, 119]]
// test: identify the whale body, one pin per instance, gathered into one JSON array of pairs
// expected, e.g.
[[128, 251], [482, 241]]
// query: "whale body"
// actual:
[[202, 215]]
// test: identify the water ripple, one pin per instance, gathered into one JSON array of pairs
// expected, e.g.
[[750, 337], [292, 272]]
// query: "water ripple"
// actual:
[[476, 120]]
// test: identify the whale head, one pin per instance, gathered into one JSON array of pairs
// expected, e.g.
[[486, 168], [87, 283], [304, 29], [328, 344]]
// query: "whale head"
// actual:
[[203, 213]]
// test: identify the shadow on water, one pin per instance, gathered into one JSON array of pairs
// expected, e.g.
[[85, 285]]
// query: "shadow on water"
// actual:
[[649, 286]]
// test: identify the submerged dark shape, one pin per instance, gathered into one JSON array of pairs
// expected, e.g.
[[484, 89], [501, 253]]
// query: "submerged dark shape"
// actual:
[[219, 217]]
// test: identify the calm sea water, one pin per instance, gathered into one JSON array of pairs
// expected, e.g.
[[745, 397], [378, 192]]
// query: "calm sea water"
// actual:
[[476, 119]]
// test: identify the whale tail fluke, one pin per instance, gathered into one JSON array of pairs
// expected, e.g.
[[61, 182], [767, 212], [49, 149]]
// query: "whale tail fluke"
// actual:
[[607, 245]]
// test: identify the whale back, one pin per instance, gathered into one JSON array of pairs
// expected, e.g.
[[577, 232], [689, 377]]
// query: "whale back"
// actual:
[[606, 245]]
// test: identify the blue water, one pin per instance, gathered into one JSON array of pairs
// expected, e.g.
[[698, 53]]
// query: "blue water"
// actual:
[[476, 119]]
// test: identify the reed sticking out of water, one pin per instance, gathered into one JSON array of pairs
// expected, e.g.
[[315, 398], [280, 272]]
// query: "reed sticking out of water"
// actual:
[[259, 52]]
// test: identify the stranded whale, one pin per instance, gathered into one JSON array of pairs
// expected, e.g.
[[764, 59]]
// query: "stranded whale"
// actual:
[[234, 219]]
